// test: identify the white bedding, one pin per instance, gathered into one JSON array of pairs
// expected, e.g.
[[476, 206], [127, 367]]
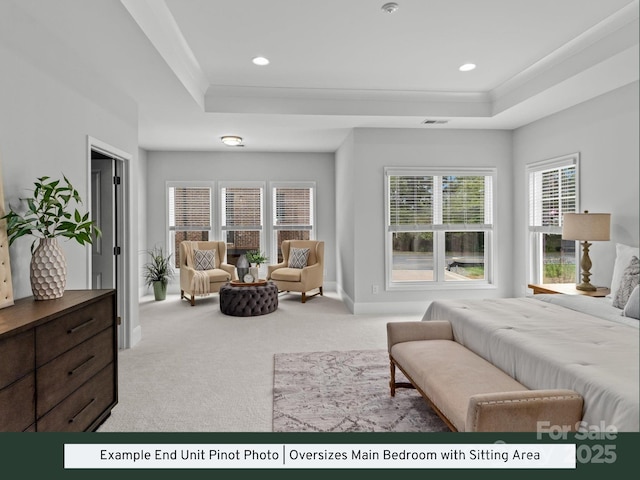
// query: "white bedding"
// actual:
[[545, 345]]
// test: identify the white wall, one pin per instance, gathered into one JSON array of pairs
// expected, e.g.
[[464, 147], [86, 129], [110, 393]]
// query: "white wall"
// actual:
[[604, 131], [239, 166], [50, 105], [374, 149], [143, 172], [345, 226]]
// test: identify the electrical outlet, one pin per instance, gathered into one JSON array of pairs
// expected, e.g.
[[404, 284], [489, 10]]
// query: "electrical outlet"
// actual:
[[375, 289]]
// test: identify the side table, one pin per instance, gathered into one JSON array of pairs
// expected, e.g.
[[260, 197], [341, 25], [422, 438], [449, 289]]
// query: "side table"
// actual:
[[566, 289]]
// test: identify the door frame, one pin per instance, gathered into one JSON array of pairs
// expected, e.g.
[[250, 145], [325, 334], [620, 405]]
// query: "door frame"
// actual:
[[124, 270]]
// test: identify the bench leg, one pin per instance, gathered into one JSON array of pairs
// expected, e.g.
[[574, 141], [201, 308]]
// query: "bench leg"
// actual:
[[392, 383]]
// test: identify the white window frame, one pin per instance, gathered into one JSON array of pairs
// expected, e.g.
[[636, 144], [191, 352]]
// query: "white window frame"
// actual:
[[239, 184], [273, 228], [187, 184], [535, 233], [439, 230]]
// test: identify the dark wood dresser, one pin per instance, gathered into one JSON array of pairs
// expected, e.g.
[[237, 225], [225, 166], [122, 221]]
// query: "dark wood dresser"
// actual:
[[58, 362]]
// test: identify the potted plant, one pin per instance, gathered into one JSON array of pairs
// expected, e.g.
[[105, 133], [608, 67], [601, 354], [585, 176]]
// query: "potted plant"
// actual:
[[49, 215], [158, 271], [255, 257]]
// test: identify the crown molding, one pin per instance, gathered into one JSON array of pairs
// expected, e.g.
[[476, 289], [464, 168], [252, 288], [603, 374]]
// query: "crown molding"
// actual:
[[320, 101], [604, 40], [160, 27]]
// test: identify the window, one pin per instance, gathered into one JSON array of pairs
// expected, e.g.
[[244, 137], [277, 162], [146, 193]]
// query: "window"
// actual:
[[293, 214], [241, 218], [553, 191], [439, 226], [189, 215]]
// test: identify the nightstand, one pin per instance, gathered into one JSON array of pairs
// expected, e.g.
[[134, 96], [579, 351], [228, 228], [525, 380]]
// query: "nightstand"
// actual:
[[566, 289]]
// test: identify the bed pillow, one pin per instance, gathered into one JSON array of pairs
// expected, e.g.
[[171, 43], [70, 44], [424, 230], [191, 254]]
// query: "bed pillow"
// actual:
[[298, 257], [628, 282], [204, 259], [632, 308], [624, 253]]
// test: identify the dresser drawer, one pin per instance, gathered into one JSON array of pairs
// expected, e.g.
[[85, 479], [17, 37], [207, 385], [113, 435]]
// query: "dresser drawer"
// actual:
[[64, 374], [58, 336], [16, 353], [17, 405], [80, 410]]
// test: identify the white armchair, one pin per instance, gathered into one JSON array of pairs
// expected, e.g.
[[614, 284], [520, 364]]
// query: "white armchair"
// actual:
[[195, 281], [298, 278]]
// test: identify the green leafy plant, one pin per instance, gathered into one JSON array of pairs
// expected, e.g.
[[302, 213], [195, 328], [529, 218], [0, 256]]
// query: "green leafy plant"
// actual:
[[158, 268], [255, 256], [49, 214]]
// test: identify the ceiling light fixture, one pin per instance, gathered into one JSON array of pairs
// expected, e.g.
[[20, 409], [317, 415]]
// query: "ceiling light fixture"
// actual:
[[261, 61], [231, 140], [467, 67], [391, 7]]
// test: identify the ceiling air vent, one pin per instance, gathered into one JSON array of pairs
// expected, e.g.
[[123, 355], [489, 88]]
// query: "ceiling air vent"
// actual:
[[434, 122]]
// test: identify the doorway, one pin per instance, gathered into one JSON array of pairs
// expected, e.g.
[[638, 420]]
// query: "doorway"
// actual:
[[107, 210]]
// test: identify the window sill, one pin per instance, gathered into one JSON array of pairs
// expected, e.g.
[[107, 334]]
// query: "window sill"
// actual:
[[424, 286]]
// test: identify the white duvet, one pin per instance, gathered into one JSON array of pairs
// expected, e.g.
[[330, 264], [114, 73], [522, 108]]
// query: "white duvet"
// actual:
[[544, 345]]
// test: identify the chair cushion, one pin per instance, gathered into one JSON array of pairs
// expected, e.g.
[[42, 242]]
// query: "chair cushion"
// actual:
[[204, 259], [298, 257], [287, 274], [218, 275]]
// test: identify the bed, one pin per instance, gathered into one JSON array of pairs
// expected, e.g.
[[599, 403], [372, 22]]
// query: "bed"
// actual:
[[575, 342]]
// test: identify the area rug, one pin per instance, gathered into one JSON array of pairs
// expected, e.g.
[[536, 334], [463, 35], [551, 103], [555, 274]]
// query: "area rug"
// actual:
[[345, 391]]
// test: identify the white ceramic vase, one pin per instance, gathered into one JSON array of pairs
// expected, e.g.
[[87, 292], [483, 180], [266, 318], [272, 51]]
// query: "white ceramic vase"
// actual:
[[48, 270], [255, 272]]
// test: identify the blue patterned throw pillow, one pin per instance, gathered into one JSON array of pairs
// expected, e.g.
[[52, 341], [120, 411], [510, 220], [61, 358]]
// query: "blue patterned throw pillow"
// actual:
[[204, 259], [298, 257]]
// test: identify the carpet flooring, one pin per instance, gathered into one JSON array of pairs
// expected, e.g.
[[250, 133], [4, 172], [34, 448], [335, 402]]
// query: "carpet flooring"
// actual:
[[345, 391]]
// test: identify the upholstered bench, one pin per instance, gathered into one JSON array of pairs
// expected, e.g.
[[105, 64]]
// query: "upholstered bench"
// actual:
[[468, 392], [248, 301]]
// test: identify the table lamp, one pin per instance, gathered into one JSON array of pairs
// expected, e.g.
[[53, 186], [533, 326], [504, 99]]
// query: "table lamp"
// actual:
[[586, 227]]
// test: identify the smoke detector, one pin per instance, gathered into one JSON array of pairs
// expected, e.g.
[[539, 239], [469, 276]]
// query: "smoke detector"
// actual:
[[390, 7]]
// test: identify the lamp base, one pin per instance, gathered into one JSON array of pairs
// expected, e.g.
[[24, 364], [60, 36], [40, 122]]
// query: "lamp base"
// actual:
[[586, 286]]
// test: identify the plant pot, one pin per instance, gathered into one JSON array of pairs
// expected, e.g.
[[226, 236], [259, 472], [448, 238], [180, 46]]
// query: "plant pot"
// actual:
[[159, 290], [254, 272], [48, 270]]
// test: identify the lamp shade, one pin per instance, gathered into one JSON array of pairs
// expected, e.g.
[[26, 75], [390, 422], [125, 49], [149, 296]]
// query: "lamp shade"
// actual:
[[586, 226]]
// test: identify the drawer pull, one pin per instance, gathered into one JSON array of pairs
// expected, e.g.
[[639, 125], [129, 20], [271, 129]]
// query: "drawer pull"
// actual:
[[73, 419], [81, 326], [71, 372]]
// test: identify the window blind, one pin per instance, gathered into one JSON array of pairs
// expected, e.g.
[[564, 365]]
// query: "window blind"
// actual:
[[552, 193], [189, 208], [464, 199], [410, 201], [293, 208], [241, 208], [447, 202]]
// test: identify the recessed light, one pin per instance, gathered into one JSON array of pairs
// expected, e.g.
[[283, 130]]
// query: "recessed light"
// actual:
[[232, 140], [261, 61], [467, 67]]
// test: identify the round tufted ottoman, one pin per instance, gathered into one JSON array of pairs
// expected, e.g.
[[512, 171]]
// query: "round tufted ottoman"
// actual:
[[248, 301]]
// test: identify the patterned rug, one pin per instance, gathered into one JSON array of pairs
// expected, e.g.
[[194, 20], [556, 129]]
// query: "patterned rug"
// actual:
[[345, 392]]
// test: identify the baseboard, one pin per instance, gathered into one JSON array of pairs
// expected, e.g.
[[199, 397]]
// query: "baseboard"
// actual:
[[346, 299], [386, 308], [136, 336], [390, 308]]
